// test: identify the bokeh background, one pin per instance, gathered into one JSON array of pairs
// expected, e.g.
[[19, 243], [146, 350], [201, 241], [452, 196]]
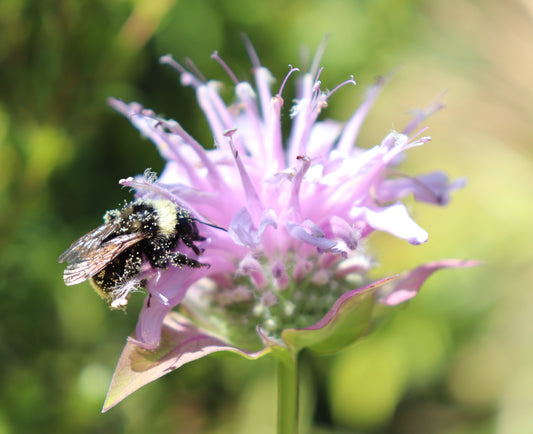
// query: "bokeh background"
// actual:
[[457, 359]]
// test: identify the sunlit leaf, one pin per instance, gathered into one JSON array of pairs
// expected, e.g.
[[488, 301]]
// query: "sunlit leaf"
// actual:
[[346, 321]]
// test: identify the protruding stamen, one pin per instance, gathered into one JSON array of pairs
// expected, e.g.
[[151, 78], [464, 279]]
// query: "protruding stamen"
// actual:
[[214, 174], [422, 114], [186, 76], [349, 136], [225, 66], [291, 70], [294, 199], [167, 59], [318, 56], [344, 83], [317, 83], [143, 184], [418, 133], [254, 58], [194, 69]]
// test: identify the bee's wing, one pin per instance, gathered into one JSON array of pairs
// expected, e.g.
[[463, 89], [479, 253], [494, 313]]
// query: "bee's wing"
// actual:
[[91, 262], [83, 248]]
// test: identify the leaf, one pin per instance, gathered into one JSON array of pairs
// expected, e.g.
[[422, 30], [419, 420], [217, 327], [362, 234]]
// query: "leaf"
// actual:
[[346, 322], [181, 343]]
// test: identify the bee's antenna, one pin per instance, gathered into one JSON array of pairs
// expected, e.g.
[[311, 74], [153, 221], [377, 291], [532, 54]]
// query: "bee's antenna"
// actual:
[[213, 226]]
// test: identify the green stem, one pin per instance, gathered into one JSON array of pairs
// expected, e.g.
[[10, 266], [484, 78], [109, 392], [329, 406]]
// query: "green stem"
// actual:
[[288, 398]]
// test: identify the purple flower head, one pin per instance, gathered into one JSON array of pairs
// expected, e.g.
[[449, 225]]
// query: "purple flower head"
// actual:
[[291, 268]]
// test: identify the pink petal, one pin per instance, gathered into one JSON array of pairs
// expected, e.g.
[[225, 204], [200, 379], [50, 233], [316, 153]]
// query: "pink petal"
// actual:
[[242, 230], [167, 289], [182, 343], [249, 266], [340, 228], [395, 220], [409, 283], [316, 238], [431, 188], [279, 273]]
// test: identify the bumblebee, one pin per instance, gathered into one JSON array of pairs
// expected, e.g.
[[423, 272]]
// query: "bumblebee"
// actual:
[[142, 232]]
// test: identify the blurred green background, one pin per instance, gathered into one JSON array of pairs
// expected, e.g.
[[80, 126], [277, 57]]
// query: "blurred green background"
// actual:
[[457, 359]]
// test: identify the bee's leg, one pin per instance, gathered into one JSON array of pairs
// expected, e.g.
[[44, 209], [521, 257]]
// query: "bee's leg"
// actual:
[[180, 260], [189, 242]]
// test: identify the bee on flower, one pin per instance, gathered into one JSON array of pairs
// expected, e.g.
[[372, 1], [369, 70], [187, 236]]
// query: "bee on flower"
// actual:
[[291, 269]]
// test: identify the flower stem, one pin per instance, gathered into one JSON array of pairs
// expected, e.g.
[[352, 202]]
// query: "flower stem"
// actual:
[[288, 392]]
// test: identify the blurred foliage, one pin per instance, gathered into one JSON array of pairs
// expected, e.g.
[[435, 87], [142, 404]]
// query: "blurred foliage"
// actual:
[[457, 359]]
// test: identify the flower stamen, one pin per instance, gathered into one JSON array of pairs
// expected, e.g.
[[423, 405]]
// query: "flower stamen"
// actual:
[[195, 70], [294, 211], [187, 78], [291, 70], [315, 64], [252, 54], [225, 66], [214, 176], [342, 84], [422, 114], [350, 133]]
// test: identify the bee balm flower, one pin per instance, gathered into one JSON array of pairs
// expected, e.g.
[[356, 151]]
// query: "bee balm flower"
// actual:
[[290, 271]]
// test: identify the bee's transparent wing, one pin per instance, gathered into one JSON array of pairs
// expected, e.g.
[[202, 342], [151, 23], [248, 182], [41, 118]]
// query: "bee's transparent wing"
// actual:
[[83, 248], [91, 261]]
